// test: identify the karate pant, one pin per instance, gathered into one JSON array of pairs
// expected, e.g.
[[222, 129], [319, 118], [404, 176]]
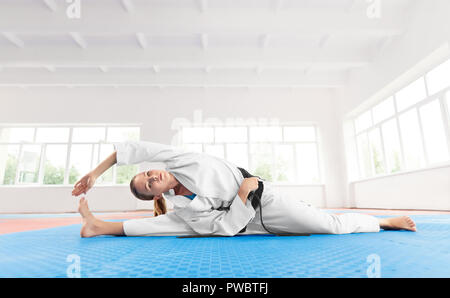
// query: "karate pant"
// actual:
[[280, 215]]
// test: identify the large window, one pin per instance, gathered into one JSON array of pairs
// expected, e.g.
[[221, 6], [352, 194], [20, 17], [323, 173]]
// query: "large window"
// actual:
[[57, 155], [281, 154], [407, 131]]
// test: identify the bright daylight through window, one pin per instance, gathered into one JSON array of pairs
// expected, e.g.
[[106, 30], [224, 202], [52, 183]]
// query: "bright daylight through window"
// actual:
[[60, 155], [281, 154], [407, 131]]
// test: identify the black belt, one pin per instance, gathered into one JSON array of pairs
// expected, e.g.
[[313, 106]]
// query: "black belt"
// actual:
[[256, 195], [255, 198]]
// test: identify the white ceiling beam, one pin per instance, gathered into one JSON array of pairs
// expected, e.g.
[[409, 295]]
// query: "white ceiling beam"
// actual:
[[324, 40], [51, 4], [204, 41], [213, 79], [50, 68], [104, 69], [176, 85], [181, 57], [128, 6], [265, 40], [142, 40], [79, 40], [305, 67], [179, 22], [383, 44], [14, 39]]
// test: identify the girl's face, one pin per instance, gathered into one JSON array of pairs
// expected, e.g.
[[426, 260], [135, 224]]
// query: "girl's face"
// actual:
[[153, 182]]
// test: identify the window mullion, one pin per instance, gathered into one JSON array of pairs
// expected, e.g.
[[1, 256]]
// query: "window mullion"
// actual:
[[318, 150], [35, 134], [249, 155], [273, 163], [380, 132], [19, 161], [106, 133], [358, 154], [41, 164], [422, 137], [400, 137], [372, 163], [114, 172], [297, 175], [98, 151], [92, 156], [69, 149], [445, 112]]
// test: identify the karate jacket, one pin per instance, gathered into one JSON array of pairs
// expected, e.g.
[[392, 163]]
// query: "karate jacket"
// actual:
[[215, 182]]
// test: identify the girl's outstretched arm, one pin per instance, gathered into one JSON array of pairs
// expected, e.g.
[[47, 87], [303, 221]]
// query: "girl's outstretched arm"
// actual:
[[86, 182]]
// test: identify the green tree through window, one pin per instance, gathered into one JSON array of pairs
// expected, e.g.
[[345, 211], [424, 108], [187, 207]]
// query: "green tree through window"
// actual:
[[377, 160], [125, 174], [10, 170], [53, 175], [74, 175], [264, 170], [397, 164]]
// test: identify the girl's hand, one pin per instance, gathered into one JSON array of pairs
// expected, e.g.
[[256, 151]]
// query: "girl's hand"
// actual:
[[84, 184], [248, 185]]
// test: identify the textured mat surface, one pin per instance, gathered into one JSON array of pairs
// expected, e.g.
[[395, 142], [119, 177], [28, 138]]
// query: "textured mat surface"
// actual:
[[53, 252]]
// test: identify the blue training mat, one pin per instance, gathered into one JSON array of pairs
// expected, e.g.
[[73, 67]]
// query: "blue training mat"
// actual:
[[44, 253]]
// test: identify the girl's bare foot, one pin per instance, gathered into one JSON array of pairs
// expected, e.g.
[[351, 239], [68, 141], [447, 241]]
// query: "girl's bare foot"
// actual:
[[398, 223], [91, 225]]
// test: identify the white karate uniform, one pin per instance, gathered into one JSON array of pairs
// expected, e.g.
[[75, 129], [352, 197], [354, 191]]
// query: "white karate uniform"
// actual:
[[216, 182]]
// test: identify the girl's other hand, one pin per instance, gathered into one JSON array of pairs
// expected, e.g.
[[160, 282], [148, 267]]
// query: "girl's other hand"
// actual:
[[84, 184]]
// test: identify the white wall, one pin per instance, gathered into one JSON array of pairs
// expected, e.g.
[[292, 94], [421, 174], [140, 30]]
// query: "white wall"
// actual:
[[426, 189], [51, 199], [399, 63], [156, 109]]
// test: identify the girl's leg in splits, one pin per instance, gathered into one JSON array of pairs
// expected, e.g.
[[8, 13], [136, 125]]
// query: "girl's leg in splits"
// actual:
[[167, 224], [284, 214], [303, 219]]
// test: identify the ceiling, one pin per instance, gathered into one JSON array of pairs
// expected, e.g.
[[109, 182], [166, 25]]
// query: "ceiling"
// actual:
[[199, 43]]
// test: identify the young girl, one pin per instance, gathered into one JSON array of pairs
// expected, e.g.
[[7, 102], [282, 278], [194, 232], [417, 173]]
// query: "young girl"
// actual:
[[209, 195]]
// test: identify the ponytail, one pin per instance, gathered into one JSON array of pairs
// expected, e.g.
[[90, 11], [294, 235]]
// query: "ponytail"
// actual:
[[159, 206]]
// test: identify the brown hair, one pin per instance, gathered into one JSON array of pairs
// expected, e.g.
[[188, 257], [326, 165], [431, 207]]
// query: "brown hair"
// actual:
[[159, 205]]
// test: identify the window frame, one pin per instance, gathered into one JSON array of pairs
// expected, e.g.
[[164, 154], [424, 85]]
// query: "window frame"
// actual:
[[440, 96], [249, 143], [69, 143]]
